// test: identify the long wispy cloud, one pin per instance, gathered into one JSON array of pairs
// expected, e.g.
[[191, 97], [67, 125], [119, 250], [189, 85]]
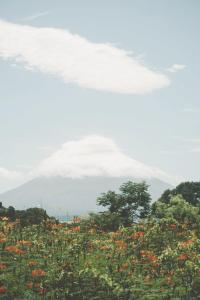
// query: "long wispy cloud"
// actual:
[[96, 156], [76, 60], [36, 16]]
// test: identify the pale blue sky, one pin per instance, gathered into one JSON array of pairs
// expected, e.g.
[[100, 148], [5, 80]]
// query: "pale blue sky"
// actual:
[[161, 128]]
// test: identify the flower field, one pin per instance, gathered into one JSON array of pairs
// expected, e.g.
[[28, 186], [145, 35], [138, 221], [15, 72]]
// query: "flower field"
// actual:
[[150, 260]]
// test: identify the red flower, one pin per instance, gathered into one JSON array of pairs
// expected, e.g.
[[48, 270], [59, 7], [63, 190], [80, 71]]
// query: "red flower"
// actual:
[[2, 266], [38, 273], [172, 226], [137, 234], [198, 272], [3, 289], [183, 256]]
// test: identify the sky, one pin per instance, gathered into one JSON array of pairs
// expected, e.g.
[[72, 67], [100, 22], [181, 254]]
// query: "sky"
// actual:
[[93, 88]]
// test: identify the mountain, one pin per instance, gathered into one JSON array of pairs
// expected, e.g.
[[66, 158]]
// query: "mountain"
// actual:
[[61, 196]]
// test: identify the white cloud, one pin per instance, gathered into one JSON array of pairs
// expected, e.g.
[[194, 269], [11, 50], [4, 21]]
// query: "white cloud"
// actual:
[[95, 156], [6, 174], [176, 67], [36, 16], [58, 52]]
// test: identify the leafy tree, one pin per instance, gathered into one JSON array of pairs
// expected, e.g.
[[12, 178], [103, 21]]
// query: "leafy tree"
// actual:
[[32, 216], [131, 204], [178, 209], [11, 214], [190, 191]]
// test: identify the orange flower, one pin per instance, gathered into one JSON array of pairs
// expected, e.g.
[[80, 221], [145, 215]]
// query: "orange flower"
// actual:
[[24, 243], [2, 266], [152, 258], [38, 273], [137, 235], [42, 291], [144, 253], [125, 266], [186, 243], [121, 245], [103, 248], [11, 248], [14, 249], [169, 280], [76, 229], [172, 226], [3, 289], [32, 263], [3, 240], [198, 272], [183, 256], [29, 285], [20, 251], [149, 255]]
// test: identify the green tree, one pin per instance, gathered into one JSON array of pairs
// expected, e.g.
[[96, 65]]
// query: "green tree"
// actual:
[[177, 209], [126, 207], [190, 191], [11, 213], [31, 216]]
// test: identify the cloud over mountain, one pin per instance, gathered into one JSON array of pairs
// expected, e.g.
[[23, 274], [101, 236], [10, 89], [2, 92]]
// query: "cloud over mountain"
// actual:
[[95, 156], [76, 60]]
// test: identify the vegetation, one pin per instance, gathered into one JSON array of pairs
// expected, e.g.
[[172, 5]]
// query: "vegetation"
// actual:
[[26, 217], [156, 257], [130, 205], [190, 191]]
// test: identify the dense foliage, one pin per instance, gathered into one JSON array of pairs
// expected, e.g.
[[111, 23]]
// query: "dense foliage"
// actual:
[[124, 208], [157, 257], [190, 191], [27, 217]]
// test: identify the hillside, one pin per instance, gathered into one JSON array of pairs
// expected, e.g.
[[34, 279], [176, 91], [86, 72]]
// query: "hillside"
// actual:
[[60, 195]]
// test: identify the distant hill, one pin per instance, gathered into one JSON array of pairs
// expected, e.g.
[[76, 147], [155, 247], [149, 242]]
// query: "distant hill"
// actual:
[[61, 196]]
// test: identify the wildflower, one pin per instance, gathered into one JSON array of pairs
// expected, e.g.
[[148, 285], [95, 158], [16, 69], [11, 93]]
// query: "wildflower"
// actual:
[[144, 253], [42, 291], [14, 249], [20, 251], [32, 263], [29, 285], [76, 229], [38, 273], [152, 258], [169, 280], [125, 266], [3, 240], [186, 243], [198, 272], [183, 256], [3, 289], [24, 243], [2, 266], [172, 226], [121, 245], [104, 248], [137, 235]]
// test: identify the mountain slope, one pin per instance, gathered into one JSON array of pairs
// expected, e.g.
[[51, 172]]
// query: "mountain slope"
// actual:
[[60, 195]]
